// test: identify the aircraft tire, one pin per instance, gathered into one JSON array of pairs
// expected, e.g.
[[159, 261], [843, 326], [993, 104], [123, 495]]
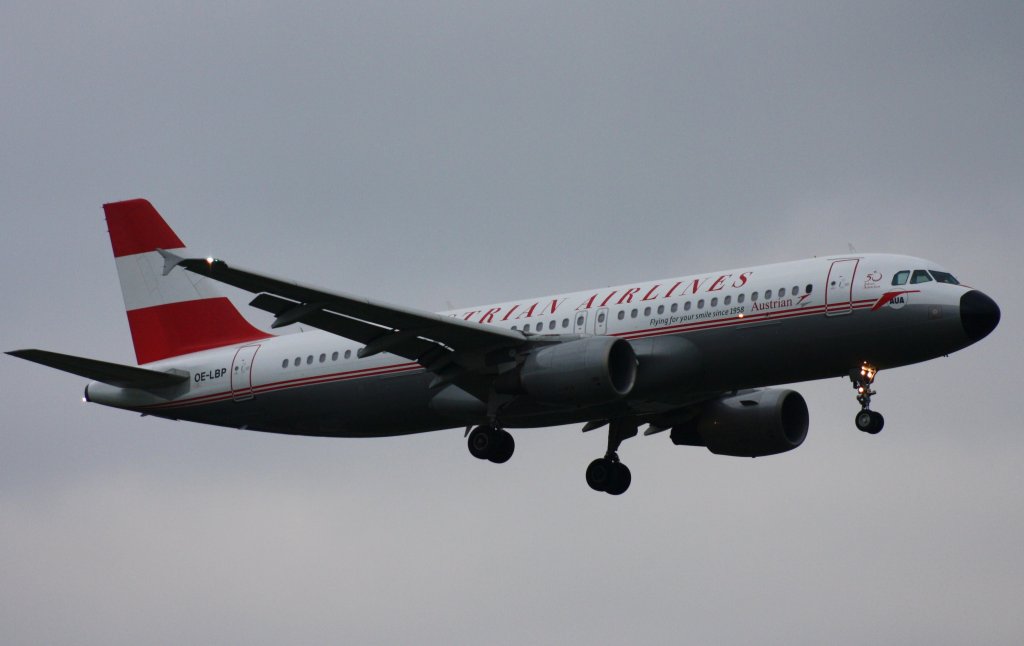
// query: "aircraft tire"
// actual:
[[869, 421], [621, 478], [504, 447], [482, 442], [599, 474]]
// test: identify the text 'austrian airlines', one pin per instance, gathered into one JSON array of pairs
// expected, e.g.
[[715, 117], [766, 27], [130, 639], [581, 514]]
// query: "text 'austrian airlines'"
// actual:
[[695, 356]]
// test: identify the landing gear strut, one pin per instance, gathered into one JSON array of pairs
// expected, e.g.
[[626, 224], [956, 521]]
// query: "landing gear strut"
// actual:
[[489, 443], [866, 420], [608, 474]]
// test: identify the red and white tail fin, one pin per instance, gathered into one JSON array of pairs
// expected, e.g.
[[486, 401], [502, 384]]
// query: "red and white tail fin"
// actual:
[[168, 315]]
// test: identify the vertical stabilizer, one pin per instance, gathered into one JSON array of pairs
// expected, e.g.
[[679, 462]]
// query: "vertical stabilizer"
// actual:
[[168, 315]]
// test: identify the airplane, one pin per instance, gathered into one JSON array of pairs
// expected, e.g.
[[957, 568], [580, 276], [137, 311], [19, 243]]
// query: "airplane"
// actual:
[[698, 356]]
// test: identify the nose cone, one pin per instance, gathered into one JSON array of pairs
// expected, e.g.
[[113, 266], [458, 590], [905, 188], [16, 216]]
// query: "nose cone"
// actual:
[[979, 315]]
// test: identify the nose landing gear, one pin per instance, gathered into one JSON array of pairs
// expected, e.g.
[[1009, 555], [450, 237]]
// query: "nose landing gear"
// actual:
[[866, 420]]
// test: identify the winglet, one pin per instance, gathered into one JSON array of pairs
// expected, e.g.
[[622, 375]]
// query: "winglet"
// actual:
[[171, 260]]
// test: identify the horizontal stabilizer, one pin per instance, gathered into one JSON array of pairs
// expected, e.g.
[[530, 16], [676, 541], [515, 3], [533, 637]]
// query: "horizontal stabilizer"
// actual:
[[114, 374]]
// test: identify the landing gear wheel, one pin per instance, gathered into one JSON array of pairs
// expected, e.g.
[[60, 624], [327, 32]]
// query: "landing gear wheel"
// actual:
[[608, 476], [494, 444], [503, 448], [481, 442], [869, 421], [599, 474], [621, 478]]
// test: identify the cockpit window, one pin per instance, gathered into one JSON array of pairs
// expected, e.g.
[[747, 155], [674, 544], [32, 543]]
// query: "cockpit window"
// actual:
[[900, 277], [920, 276], [944, 277]]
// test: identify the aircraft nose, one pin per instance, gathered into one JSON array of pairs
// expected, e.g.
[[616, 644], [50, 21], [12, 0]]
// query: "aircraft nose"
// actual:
[[979, 315]]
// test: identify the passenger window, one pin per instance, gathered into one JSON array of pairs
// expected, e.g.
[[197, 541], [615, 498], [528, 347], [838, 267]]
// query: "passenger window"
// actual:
[[700, 304], [334, 356], [580, 320], [739, 299], [348, 354], [674, 308], [767, 294], [807, 290], [632, 314], [900, 277], [647, 311], [728, 299], [309, 360], [284, 364], [622, 314], [514, 327], [323, 357], [565, 322], [526, 328], [686, 306], [796, 290], [298, 361], [920, 276], [714, 302], [753, 296], [661, 309], [600, 319], [552, 323]]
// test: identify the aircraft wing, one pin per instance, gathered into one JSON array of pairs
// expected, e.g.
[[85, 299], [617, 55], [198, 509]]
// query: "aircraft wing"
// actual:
[[449, 347]]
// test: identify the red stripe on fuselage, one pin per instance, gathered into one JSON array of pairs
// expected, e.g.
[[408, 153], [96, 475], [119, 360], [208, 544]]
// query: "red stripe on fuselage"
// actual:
[[276, 386], [136, 227], [888, 296], [175, 329]]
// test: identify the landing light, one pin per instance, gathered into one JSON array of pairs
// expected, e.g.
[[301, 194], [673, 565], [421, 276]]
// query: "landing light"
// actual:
[[740, 316], [209, 260]]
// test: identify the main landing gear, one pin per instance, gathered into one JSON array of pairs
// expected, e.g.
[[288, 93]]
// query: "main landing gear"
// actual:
[[489, 443], [866, 420], [607, 474]]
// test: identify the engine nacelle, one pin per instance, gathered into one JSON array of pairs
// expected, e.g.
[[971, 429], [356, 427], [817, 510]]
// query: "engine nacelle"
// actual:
[[667, 364], [751, 424], [583, 372]]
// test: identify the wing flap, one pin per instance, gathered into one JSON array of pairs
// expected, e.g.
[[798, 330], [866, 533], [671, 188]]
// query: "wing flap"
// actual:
[[115, 374], [376, 338]]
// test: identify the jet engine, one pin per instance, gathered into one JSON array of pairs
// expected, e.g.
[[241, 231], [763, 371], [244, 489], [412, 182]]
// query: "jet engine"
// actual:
[[749, 424], [582, 372]]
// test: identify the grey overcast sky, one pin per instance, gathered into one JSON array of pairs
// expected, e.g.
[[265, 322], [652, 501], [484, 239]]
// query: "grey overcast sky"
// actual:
[[453, 152]]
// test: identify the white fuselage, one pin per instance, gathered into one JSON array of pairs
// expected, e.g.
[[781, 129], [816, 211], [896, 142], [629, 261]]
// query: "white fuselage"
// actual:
[[749, 327]]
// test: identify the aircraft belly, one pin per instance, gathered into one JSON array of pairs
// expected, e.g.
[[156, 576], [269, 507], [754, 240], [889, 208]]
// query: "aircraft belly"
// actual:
[[819, 347], [370, 407]]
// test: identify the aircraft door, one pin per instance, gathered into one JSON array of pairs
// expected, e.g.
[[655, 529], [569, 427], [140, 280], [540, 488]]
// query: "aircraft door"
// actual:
[[241, 372], [580, 323], [601, 322], [839, 286]]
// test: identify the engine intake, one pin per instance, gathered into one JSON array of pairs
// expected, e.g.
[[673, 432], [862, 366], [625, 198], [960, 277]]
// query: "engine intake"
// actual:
[[583, 372], [751, 424]]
